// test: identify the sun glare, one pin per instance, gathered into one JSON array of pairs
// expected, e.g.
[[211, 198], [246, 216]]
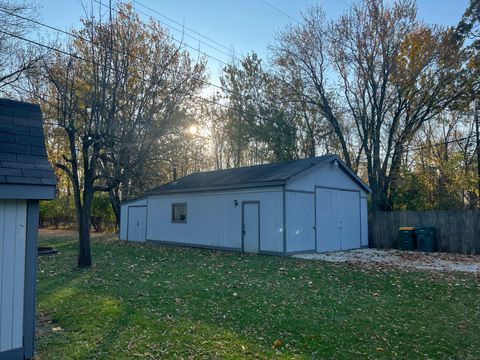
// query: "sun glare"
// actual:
[[193, 129]]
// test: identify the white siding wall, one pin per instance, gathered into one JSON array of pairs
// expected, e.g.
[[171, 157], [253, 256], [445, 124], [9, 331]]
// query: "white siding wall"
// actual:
[[300, 215], [324, 175], [124, 216], [13, 219], [364, 219], [213, 220]]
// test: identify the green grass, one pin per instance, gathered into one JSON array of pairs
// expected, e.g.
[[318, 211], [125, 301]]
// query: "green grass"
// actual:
[[149, 302]]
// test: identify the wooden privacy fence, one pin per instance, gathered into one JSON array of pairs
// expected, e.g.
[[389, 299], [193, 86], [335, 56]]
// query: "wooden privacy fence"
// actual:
[[457, 231]]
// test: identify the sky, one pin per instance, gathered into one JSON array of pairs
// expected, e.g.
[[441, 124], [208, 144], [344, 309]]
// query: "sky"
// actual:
[[241, 26]]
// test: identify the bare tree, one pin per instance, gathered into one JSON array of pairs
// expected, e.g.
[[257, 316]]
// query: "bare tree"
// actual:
[[302, 62], [395, 74], [15, 57]]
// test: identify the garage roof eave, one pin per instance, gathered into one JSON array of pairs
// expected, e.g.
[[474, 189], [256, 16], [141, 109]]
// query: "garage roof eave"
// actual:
[[222, 187], [207, 189]]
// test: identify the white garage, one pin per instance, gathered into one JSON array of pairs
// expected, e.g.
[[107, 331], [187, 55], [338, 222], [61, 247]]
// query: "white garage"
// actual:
[[315, 204]]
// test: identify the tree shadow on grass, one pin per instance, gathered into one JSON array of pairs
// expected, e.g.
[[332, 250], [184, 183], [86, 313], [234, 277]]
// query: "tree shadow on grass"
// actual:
[[108, 329]]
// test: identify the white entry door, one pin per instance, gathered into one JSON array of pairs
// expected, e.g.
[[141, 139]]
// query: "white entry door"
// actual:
[[137, 223], [337, 220], [251, 227]]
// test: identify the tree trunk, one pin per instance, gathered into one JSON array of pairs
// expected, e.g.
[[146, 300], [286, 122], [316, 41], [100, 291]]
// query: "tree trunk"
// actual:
[[378, 185], [84, 253], [477, 133], [115, 202]]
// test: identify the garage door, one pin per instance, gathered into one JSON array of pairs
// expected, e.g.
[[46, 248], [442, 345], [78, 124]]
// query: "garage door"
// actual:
[[137, 223], [337, 219]]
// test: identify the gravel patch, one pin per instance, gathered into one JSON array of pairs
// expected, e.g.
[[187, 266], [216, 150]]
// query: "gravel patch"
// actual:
[[404, 259]]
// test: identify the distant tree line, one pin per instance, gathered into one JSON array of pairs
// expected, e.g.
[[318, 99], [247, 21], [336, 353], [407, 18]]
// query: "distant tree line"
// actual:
[[60, 213], [123, 103]]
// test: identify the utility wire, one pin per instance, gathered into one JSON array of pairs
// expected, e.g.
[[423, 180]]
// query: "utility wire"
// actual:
[[231, 51], [280, 10], [138, 58], [346, 3], [75, 56], [77, 36], [224, 63], [206, 100]]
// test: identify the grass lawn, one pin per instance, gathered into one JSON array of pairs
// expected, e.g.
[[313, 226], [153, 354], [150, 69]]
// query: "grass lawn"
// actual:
[[155, 302]]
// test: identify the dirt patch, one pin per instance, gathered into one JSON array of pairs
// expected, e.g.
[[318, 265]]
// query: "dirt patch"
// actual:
[[405, 259], [44, 325]]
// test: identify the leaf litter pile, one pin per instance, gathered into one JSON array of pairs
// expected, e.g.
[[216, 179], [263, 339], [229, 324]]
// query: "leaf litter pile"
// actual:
[[160, 302]]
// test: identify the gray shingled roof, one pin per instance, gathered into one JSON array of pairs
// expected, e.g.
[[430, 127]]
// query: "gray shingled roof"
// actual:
[[23, 157], [252, 176]]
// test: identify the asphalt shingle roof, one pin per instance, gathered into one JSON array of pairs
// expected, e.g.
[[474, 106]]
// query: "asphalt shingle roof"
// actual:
[[244, 177], [23, 156]]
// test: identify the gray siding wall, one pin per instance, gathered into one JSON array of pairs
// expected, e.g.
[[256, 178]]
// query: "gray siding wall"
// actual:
[[124, 216], [364, 219], [323, 175], [13, 219], [300, 218], [214, 221]]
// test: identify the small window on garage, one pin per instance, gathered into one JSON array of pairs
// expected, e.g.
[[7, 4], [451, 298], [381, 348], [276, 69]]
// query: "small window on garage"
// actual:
[[179, 213]]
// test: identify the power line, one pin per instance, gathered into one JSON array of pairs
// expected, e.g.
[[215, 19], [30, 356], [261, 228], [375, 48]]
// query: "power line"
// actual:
[[172, 37], [75, 56], [205, 82], [346, 3], [279, 10], [52, 48], [190, 29], [77, 36], [138, 58]]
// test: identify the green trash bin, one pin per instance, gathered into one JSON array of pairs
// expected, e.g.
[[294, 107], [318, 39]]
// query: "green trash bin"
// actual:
[[407, 239], [426, 238]]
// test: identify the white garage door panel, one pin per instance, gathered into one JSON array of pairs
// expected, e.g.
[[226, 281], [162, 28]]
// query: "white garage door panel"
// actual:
[[137, 223], [350, 234], [337, 219], [328, 237], [251, 227], [13, 219]]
